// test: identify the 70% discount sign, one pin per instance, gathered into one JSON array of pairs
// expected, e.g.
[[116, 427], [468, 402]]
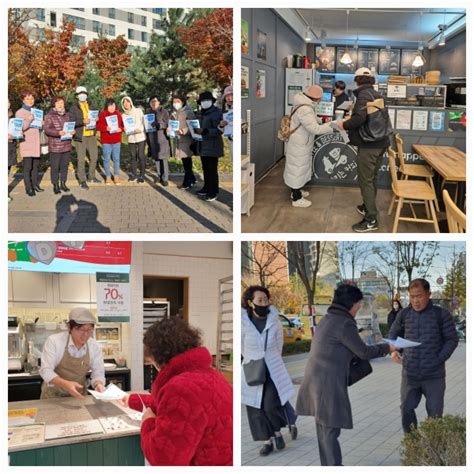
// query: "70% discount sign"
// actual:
[[113, 297]]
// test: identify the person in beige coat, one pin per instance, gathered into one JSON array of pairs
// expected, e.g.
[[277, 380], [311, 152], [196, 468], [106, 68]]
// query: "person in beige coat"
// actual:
[[306, 125]]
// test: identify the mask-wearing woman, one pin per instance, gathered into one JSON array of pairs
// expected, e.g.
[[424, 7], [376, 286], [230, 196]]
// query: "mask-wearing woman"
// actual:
[[11, 148], [59, 147], [396, 308], [262, 337], [227, 108]]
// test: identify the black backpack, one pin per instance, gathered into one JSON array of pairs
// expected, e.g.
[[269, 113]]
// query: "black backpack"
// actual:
[[377, 125]]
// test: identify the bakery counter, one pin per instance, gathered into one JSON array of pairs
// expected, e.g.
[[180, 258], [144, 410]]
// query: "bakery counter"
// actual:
[[80, 432]]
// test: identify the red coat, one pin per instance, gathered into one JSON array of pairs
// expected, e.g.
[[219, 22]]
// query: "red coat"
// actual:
[[193, 406], [101, 126]]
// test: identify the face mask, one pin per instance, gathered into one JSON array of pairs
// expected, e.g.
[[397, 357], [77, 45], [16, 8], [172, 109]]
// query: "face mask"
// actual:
[[262, 311], [206, 104], [82, 97], [177, 105], [395, 306]]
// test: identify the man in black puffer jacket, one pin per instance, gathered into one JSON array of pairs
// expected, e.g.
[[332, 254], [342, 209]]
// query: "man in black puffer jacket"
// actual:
[[424, 371], [369, 154]]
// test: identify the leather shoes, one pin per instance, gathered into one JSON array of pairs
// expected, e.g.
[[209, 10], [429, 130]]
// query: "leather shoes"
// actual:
[[279, 442], [84, 185], [38, 189], [266, 449], [56, 188], [31, 192], [64, 187]]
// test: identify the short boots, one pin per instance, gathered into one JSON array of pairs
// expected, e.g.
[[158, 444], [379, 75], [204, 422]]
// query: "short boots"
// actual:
[[38, 189], [64, 187], [266, 449], [30, 192], [56, 188]]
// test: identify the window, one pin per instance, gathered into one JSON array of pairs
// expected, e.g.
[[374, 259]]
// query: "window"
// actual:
[[131, 18], [144, 36], [40, 16], [95, 11], [143, 20], [96, 26], [111, 30], [80, 9], [130, 34], [156, 24], [111, 12], [79, 22], [52, 19], [158, 11], [78, 41]]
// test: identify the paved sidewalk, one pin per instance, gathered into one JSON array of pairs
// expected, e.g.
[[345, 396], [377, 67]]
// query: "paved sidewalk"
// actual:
[[130, 207], [375, 439]]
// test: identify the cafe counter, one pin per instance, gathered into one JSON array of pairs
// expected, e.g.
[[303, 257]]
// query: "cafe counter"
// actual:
[[117, 445]]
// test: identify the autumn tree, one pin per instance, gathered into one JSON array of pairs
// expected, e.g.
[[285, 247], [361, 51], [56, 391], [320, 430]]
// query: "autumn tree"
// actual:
[[209, 41], [110, 59], [455, 286]]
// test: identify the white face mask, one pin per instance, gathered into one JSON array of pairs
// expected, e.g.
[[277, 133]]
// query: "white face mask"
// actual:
[[395, 306], [82, 97], [177, 105], [206, 104]]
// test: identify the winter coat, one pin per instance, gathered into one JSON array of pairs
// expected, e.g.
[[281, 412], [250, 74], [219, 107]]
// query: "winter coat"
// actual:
[[252, 347], [364, 94], [11, 147], [30, 144], [323, 392], [391, 317], [211, 144], [184, 142], [137, 115], [193, 406], [434, 327], [300, 145], [101, 126], [53, 124], [159, 143], [75, 112], [340, 99]]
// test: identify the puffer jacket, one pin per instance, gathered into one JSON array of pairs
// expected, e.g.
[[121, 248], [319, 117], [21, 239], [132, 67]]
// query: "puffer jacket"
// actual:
[[434, 327], [212, 144], [364, 94], [300, 145], [193, 406], [184, 142], [137, 115], [53, 124]]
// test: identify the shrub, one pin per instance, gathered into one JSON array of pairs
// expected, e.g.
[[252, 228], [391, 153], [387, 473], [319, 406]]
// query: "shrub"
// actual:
[[384, 329], [297, 347], [436, 442]]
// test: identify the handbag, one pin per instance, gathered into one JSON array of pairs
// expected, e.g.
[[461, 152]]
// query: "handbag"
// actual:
[[255, 370], [358, 369], [44, 143], [377, 125]]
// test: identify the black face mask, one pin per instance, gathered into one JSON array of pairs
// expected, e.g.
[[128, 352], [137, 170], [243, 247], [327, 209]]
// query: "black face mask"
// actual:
[[262, 311]]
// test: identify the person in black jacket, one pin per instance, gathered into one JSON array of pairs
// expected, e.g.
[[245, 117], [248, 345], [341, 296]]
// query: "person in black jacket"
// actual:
[[339, 94], [370, 154], [211, 148], [396, 308], [424, 371]]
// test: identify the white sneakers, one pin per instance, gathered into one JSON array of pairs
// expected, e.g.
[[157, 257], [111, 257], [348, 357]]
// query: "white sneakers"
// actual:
[[301, 203], [305, 193]]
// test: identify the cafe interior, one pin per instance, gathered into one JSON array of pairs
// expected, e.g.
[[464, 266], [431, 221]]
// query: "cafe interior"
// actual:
[[418, 58]]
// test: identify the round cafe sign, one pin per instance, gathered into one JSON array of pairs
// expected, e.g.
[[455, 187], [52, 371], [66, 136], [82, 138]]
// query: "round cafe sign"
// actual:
[[333, 159]]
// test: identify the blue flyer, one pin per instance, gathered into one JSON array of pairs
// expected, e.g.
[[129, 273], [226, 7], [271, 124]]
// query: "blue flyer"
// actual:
[[68, 127], [37, 121], [129, 124], [93, 117], [148, 120], [15, 128], [174, 127]]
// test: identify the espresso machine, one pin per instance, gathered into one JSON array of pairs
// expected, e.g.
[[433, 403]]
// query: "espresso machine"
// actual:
[[17, 348]]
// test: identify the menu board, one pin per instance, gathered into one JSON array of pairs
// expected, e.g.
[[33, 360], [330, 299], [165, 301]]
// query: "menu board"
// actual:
[[389, 61], [346, 68], [325, 58], [408, 56], [397, 91], [368, 58]]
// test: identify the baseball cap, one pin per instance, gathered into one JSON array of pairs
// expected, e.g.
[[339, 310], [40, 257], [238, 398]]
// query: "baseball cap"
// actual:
[[363, 71], [81, 89]]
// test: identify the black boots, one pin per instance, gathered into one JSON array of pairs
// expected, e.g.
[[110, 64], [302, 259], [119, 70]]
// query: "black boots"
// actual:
[[30, 192], [38, 189], [64, 187], [56, 188]]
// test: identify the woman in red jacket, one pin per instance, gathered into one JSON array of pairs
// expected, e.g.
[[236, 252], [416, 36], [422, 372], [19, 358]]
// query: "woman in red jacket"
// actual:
[[110, 126], [187, 419]]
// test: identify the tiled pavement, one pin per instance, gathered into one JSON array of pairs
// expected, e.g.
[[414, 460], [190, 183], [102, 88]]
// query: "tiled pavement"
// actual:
[[130, 207], [375, 439]]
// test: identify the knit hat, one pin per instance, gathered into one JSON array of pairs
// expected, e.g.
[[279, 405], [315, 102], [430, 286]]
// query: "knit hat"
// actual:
[[82, 316], [205, 96], [227, 91], [315, 92]]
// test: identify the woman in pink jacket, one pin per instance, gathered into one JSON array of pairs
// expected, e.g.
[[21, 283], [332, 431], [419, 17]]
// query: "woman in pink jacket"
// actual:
[[30, 145]]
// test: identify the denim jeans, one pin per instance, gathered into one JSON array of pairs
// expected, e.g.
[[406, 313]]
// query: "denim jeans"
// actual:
[[113, 150]]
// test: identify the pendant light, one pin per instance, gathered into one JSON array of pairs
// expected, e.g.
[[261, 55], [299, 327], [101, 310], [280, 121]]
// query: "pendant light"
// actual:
[[442, 38], [419, 59], [346, 57], [307, 35]]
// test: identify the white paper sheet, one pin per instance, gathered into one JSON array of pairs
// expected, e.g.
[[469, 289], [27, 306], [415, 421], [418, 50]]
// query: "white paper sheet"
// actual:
[[25, 435], [345, 105], [344, 135], [79, 428], [111, 393], [401, 343]]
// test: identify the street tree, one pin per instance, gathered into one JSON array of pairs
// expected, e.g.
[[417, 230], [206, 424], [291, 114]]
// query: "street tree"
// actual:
[[455, 286]]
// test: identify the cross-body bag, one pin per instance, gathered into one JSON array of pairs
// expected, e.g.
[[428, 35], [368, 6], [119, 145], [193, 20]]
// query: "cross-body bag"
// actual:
[[255, 370], [377, 125]]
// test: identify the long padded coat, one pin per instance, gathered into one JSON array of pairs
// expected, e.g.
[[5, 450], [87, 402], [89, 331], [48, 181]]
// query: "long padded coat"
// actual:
[[300, 145], [252, 346], [193, 406]]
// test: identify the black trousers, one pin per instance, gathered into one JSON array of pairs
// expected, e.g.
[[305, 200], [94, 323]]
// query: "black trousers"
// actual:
[[31, 172], [211, 176], [188, 170], [296, 194], [328, 444], [59, 165], [137, 157], [411, 392]]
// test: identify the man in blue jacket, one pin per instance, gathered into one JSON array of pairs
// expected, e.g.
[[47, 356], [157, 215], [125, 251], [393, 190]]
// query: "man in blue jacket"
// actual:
[[424, 371]]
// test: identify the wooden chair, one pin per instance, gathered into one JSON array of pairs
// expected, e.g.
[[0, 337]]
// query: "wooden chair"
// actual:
[[414, 171], [411, 192], [456, 218]]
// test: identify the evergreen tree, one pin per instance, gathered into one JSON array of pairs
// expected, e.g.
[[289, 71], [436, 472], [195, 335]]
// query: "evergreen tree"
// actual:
[[455, 287]]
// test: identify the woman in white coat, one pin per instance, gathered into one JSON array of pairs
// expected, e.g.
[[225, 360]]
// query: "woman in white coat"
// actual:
[[265, 403], [305, 125]]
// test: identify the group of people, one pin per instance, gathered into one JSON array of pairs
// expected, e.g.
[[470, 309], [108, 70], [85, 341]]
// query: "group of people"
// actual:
[[187, 417], [51, 136], [336, 349], [305, 124]]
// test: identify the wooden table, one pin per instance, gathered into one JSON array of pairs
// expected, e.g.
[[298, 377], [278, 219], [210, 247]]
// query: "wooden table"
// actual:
[[449, 162]]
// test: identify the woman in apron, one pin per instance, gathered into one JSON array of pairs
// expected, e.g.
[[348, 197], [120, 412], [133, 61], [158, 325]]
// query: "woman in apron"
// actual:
[[68, 357]]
